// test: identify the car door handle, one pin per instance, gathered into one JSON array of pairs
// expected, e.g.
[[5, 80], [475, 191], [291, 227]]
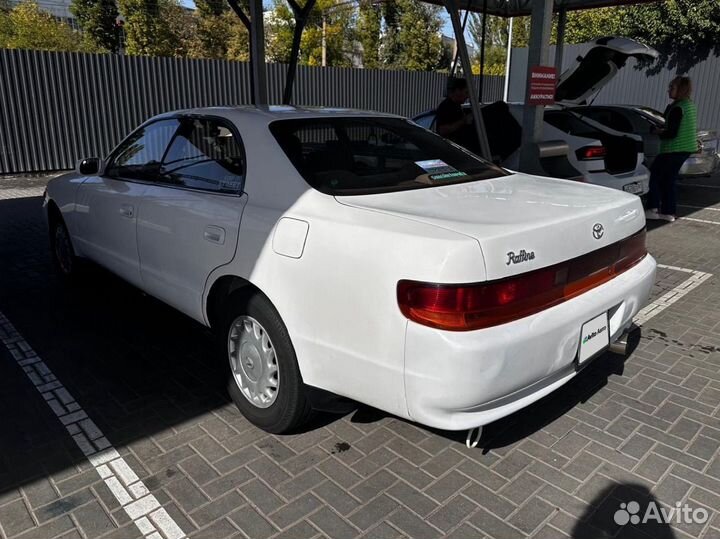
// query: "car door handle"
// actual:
[[214, 234], [126, 210]]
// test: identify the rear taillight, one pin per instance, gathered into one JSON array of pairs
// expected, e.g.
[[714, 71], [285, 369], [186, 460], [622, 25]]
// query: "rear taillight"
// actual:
[[476, 306], [591, 153]]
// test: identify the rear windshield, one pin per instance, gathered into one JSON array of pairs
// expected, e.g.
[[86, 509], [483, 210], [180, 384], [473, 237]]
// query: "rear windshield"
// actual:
[[570, 124], [355, 156]]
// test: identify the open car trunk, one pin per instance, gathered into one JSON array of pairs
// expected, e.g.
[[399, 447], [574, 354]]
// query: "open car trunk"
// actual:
[[598, 67], [621, 151]]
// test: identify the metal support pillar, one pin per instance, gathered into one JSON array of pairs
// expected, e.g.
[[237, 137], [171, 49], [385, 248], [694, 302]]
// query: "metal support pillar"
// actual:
[[538, 55], [508, 59], [257, 53], [482, 52], [246, 22], [452, 10], [301, 16], [560, 45], [453, 67]]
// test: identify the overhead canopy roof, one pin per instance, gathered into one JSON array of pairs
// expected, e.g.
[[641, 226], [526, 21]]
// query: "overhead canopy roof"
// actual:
[[517, 8]]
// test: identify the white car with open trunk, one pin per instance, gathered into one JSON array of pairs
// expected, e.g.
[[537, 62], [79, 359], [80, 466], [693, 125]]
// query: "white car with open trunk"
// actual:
[[360, 254]]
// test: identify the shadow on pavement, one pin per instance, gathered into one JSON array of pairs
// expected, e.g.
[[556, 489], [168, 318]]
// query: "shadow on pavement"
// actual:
[[618, 511], [137, 366]]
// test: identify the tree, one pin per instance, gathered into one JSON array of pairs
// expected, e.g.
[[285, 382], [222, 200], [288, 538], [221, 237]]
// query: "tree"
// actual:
[[586, 25], [212, 28], [419, 36], [389, 46], [411, 39], [368, 33], [684, 31], [98, 21], [26, 26], [156, 27], [496, 35], [338, 34], [238, 41]]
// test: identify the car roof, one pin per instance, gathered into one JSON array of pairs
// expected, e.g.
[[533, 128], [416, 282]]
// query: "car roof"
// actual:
[[270, 113]]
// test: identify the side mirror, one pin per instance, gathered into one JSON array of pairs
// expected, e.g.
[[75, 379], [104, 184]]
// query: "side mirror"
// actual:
[[89, 166]]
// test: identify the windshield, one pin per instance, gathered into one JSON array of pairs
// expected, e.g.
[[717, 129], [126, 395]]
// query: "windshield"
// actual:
[[353, 156], [656, 115]]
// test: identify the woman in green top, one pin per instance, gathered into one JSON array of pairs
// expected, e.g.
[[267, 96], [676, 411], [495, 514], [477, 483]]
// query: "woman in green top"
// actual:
[[678, 140]]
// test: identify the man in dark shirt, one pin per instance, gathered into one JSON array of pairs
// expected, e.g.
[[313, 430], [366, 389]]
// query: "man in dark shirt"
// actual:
[[451, 121]]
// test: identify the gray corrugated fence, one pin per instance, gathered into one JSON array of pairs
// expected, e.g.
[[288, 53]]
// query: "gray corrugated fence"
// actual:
[[56, 108]]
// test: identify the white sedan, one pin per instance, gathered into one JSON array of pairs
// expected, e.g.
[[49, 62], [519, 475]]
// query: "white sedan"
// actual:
[[360, 254]]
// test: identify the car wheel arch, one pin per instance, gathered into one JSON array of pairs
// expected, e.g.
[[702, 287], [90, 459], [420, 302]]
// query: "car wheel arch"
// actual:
[[222, 289], [53, 212]]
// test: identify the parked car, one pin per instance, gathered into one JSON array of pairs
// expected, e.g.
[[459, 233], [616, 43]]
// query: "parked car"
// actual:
[[602, 156], [360, 254], [643, 121]]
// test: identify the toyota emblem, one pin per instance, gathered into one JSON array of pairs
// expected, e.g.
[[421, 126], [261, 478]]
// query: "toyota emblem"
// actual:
[[598, 231]]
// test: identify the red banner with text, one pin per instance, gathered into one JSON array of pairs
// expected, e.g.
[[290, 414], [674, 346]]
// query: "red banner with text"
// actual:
[[543, 80]]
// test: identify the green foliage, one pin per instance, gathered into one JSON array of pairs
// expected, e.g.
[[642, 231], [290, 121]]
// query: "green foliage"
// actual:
[[157, 27], [586, 25], [97, 19], [418, 36], [26, 26], [411, 39], [338, 34], [368, 33], [496, 47], [684, 31]]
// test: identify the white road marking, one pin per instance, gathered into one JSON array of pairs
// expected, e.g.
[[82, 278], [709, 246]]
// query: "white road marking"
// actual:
[[698, 207], [700, 185], [699, 220], [663, 302], [142, 507]]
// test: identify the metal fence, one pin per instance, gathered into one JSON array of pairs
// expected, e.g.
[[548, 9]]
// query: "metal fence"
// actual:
[[56, 108]]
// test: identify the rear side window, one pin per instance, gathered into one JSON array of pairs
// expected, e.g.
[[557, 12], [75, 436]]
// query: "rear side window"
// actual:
[[353, 156], [139, 156], [427, 121], [205, 154], [610, 118]]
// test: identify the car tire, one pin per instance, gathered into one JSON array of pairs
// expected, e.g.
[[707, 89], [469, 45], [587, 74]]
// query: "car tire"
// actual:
[[257, 349], [65, 261]]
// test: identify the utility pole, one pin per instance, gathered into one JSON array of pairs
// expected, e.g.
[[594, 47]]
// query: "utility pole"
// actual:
[[324, 42]]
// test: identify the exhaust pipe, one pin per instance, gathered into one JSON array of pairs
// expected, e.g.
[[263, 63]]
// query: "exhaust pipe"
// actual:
[[620, 346]]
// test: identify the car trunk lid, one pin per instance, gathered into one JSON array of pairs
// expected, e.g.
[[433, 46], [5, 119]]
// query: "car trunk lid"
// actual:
[[521, 222], [598, 67]]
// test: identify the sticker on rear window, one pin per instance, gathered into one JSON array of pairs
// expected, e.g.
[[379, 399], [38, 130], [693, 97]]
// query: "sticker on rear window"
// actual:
[[437, 170]]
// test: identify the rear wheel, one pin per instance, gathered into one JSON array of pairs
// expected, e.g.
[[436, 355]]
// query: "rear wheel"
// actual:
[[264, 378], [61, 249]]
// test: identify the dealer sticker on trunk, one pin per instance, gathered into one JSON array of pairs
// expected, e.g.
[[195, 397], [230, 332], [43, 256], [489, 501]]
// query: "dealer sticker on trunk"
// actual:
[[594, 337]]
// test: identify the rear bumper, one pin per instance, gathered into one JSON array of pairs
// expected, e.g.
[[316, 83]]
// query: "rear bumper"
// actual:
[[461, 380], [639, 178]]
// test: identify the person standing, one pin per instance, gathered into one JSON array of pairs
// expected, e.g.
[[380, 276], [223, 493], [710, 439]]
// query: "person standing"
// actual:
[[451, 121], [678, 140]]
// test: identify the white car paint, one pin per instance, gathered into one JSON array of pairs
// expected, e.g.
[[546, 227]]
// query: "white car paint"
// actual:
[[331, 266]]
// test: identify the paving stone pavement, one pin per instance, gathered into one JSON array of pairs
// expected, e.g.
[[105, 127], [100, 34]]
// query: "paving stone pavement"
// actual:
[[647, 428]]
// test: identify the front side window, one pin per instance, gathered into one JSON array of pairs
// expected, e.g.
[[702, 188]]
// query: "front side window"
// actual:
[[353, 156], [139, 156], [205, 154]]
